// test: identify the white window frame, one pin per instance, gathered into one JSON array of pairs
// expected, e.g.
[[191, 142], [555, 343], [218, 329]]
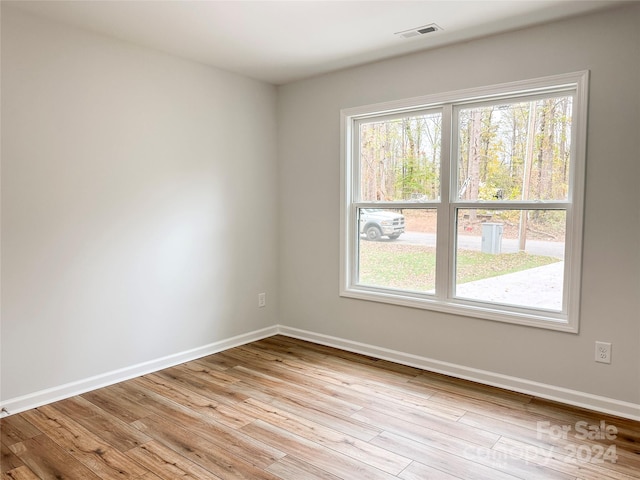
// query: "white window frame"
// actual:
[[566, 320]]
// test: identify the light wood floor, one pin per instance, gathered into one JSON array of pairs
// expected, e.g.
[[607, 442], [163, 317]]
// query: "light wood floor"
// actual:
[[281, 408]]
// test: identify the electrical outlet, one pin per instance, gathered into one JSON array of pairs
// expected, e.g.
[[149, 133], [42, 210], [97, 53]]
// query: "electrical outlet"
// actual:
[[603, 352], [262, 300]]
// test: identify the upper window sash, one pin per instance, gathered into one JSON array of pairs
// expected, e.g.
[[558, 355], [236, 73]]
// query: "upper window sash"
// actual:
[[419, 130], [528, 136]]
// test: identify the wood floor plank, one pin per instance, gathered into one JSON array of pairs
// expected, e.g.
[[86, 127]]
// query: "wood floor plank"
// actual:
[[331, 357], [292, 468], [8, 459], [320, 457], [220, 412], [111, 399], [286, 409], [201, 451], [167, 464], [378, 371], [206, 373], [417, 410], [456, 465], [214, 391], [627, 431], [229, 439], [517, 416], [150, 476], [432, 428], [306, 385], [321, 350], [500, 419], [525, 433], [290, 351], [384, 396], [341, 423], [275, 387], [329, 438], [249, 353], [346, 370], [419, 471], [20, 473], [112, 430], [219, 362], [340, 371], [248, 389], [564, 461], [532, 434], [47, 460], [16, 429], [472, 389], [85, 446], [354, 363]]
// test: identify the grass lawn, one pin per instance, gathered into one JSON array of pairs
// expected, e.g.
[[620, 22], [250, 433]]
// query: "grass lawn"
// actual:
[[413, 267]]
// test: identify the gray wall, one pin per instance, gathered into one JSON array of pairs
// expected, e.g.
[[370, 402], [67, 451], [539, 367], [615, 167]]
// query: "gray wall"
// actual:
[[608, 45], [139, 212]]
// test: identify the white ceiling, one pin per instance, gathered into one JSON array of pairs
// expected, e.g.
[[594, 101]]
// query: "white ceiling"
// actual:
[[282, 41]]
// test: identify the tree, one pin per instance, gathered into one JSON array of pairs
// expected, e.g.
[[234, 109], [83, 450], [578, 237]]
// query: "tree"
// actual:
[[528, 162]]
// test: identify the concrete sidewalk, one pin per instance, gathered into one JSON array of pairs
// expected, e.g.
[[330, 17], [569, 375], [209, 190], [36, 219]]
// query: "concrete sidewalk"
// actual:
[[539, 287]]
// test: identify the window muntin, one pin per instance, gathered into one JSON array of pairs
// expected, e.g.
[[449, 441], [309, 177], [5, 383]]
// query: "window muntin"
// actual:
[[563, 202]]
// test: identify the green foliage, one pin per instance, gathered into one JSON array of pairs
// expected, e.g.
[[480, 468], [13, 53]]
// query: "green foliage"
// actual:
[[400, 158], [497, 149]]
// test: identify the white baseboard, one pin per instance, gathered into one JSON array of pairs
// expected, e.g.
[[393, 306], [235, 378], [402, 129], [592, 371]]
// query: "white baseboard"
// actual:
[[550, 392], [43, 397]]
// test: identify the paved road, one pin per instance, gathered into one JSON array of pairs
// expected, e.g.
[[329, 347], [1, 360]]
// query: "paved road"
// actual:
[[467, 242]]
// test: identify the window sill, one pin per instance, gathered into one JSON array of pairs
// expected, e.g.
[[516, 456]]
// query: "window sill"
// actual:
[[531, 318]]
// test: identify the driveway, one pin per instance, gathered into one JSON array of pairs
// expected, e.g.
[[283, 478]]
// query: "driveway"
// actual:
[[539, 287]]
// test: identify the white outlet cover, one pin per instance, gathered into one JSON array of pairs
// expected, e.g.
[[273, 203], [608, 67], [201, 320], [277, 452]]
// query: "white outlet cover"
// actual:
[[603, 352]]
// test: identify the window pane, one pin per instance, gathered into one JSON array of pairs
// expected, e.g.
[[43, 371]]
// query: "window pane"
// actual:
[[391, 256], [400, 159], [515, 151], [511, 257]]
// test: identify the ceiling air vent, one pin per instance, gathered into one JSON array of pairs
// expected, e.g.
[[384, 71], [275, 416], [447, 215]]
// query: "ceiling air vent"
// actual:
[[416, 32]]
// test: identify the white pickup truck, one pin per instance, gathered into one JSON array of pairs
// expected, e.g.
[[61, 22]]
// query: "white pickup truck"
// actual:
[[376, 223]]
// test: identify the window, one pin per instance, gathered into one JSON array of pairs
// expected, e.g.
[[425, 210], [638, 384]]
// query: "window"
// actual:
[[469, 202]]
